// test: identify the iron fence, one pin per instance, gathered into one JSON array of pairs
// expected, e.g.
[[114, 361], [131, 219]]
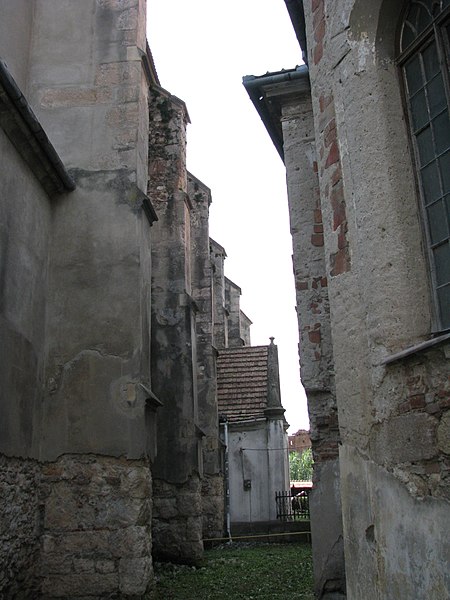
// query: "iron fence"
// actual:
[[292, 507]]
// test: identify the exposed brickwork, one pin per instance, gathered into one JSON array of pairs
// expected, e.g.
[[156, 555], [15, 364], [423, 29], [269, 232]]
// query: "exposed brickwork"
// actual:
[[319, 27], [311, 223], [300, 441], [317, 236], [422, 391], [331, 174], [324, 433], [167, 146]]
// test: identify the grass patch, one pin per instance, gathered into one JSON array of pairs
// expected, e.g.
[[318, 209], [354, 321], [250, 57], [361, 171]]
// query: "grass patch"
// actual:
[[250, 571]]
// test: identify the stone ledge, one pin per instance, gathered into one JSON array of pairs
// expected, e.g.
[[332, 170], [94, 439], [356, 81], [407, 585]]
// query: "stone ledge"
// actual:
[[28, 137], [416, 349]]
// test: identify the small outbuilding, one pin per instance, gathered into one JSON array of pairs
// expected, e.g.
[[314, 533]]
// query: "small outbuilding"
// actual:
[[257, 442]]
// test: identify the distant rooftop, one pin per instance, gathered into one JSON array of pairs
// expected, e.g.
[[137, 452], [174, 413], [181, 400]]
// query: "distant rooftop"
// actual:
[[242, 376]]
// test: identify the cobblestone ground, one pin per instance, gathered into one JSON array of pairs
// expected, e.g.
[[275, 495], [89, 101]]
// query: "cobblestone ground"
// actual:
[[241, 570]]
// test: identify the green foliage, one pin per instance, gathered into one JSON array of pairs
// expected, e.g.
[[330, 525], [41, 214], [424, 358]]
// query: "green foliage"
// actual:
[[241, 571], [301, 465]]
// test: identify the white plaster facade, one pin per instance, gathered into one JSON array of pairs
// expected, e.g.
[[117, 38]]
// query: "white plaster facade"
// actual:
[[258, 467]]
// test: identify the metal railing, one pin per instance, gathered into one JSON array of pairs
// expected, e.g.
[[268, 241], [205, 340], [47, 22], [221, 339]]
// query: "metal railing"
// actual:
[[290, 507]]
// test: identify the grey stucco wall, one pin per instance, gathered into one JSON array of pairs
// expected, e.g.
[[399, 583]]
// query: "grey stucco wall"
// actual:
[[25, 222], [16, 27], [75, 299], [397, 545], [89, 95]]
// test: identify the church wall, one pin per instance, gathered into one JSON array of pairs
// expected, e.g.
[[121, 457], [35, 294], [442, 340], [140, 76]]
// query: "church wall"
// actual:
[[96, 527], [208, 418], [25, 222], [15, 32], [220, 313], [393, 412], [84, 269], [177, 518], [316, 358], [232, 302], [25, 226]]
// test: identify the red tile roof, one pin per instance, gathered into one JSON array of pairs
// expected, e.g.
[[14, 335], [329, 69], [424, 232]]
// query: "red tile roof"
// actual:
[[242, 382]]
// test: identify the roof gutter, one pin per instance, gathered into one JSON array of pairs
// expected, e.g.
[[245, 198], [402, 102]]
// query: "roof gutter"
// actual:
[[251, 81], [12, 98], [255, 88], [297, 15]]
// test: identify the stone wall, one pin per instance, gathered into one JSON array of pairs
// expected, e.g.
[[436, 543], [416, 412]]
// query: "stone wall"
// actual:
[[208, 418], [177, 521], [20, 527], [232, 303], [96, 528], [315, 349], [213, 508], [75, 527], [391, 389], [75, 313], [220, 333], [177, 517]]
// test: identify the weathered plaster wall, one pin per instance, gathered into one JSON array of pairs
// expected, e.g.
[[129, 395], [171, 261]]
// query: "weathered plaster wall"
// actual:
[[177, 466], [208, 418], [16, 27], [257, 467], [220, 313], [94, 313], [232, 303], [75, 298], [393, 416], [25, 224], [250, 496], [397, 545], [25, 221], [315, 349], [278, 461], [245, 325]]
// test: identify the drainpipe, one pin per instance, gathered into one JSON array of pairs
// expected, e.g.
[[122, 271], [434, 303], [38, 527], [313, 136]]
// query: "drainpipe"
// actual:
[[227, 482]]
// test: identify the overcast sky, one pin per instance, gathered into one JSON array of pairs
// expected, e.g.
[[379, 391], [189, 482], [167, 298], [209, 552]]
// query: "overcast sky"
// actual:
[[202, 49]]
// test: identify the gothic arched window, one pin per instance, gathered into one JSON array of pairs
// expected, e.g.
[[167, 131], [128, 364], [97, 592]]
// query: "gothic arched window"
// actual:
[[425, 61]]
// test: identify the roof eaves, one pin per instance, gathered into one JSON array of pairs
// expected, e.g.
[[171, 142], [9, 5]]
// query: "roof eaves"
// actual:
[[269, 110], [297, 15]]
